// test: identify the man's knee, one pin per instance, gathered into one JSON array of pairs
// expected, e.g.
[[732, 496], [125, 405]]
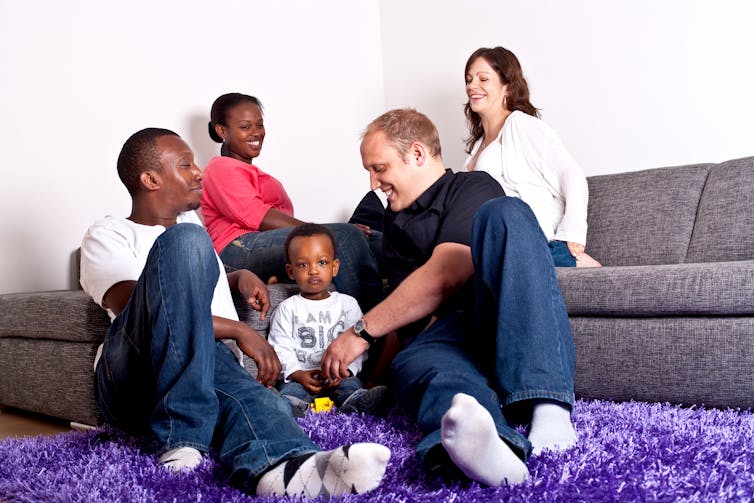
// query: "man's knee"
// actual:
[[506, 211], [188, 242], [188, 234]]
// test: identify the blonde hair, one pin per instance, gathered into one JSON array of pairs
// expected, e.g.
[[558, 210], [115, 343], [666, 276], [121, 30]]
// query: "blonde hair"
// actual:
[[404, 126]]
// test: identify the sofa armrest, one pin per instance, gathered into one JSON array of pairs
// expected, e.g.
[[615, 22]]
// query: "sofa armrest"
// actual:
[[700, 289]]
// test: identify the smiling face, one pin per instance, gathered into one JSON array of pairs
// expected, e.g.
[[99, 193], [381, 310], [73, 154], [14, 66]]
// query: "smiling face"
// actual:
[[484, 88], [243, 132], [391, 172], [312, 265], [180, 179]]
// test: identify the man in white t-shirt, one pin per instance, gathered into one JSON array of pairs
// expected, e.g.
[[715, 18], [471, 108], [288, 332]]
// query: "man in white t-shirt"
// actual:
[[169, 364]]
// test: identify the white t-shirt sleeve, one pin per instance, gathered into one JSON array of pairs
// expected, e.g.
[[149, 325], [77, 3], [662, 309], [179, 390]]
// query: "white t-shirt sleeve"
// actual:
[[281, 337], [108, 256]]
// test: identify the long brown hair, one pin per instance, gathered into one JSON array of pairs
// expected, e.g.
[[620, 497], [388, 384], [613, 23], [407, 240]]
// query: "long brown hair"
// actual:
[[506, 64]]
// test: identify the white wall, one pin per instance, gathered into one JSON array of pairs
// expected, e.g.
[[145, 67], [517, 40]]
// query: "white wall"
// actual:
[[78, 77], [628, 85]]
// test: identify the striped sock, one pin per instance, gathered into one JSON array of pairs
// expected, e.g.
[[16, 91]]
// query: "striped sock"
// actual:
[[351, 469]]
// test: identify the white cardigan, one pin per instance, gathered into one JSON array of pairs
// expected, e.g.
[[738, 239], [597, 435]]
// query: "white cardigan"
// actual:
[[530, 162]]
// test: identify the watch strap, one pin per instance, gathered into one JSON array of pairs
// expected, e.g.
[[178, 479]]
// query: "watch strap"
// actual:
[[365, 335]]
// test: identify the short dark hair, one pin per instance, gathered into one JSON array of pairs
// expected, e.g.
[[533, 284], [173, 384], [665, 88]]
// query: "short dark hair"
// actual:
[[219, 112], [307, 230], [138, 154]]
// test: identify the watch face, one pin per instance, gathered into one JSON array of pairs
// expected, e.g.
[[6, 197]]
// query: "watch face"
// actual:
[[358, 326]]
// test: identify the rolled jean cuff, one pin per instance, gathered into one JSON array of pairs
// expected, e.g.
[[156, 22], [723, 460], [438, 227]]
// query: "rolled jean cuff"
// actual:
[[176, 444], [559, 396]]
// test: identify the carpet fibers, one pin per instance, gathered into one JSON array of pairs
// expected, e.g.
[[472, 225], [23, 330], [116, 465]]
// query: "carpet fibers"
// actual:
[[626, 452]]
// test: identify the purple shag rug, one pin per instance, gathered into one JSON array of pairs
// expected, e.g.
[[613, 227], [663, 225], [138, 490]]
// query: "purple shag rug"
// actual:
[[626, 452]]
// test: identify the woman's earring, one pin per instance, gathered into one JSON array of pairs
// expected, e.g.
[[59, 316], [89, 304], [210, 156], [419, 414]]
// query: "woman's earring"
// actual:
[[505, 102]]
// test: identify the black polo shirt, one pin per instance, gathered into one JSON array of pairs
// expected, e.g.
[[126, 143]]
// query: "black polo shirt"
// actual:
[[442, 214]]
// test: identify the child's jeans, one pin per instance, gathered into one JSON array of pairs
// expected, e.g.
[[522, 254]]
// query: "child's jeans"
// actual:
[[339, 394]]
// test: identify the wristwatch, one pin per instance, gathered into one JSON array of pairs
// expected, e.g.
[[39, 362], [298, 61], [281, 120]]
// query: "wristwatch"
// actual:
[[360, 327]]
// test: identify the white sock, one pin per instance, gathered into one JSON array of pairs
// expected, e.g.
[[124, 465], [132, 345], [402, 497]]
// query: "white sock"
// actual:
[[551, 428], [471, 439], [351, 469], [182, 458]]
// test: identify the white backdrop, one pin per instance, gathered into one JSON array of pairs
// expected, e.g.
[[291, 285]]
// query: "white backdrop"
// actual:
[[628, 85], [80, 76]]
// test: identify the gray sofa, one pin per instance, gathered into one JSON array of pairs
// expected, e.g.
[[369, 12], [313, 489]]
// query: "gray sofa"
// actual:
[[669, 318]]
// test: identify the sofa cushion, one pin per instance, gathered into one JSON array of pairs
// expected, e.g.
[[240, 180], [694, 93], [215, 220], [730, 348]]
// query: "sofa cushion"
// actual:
[[644, 217], [278, 293], [66, 315], [713, 289], [51, 377], [724, 227], [697, 360]]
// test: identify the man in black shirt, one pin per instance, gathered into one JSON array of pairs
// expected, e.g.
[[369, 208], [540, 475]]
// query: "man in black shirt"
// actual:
[[478, 308]]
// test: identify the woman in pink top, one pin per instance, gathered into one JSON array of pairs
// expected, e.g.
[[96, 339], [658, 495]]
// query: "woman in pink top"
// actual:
[[248, 214]]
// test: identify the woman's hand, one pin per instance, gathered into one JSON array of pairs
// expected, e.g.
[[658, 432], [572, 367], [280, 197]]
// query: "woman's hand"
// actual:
[[576, 249], [582, 259], [253, 290], [364, 228], [259, 350]]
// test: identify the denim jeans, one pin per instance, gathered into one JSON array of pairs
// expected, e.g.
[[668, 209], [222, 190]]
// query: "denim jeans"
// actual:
[[339, 393], [264, 254], [515, 346], [162, 371], [561, 255]]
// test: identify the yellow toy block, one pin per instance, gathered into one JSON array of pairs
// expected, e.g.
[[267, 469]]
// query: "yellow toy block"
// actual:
[[322, 405]]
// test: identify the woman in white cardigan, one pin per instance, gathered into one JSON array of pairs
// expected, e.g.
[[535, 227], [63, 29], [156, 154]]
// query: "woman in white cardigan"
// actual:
[[509, 141]]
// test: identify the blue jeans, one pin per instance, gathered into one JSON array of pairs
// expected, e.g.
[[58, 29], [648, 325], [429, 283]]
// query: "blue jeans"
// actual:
[[162, 371], [264, 254], [561, 255], [515, 346], [339, 393]]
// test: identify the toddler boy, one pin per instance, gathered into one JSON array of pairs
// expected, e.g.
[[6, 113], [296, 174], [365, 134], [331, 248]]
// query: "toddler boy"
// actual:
[[304, 325]]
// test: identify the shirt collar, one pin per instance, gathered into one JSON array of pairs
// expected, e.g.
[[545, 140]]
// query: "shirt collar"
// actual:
[[429, 196]]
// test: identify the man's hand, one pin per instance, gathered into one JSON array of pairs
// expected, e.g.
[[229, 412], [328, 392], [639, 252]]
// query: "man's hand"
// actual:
[[312, 380], [259, 350], [341, 353], [253, 290]]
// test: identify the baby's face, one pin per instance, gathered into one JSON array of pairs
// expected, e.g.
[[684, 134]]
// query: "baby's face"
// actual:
[[313, 265]]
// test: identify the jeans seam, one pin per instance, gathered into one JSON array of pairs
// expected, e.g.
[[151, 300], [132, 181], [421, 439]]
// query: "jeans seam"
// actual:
[[561, 356], [171, 347], [248, 423]]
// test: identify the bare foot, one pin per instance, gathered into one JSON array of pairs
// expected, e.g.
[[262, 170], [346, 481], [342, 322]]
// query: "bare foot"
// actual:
[[587, 261]]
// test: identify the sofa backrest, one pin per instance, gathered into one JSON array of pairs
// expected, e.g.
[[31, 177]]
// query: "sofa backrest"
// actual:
[[724, 229], [644, 217]]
